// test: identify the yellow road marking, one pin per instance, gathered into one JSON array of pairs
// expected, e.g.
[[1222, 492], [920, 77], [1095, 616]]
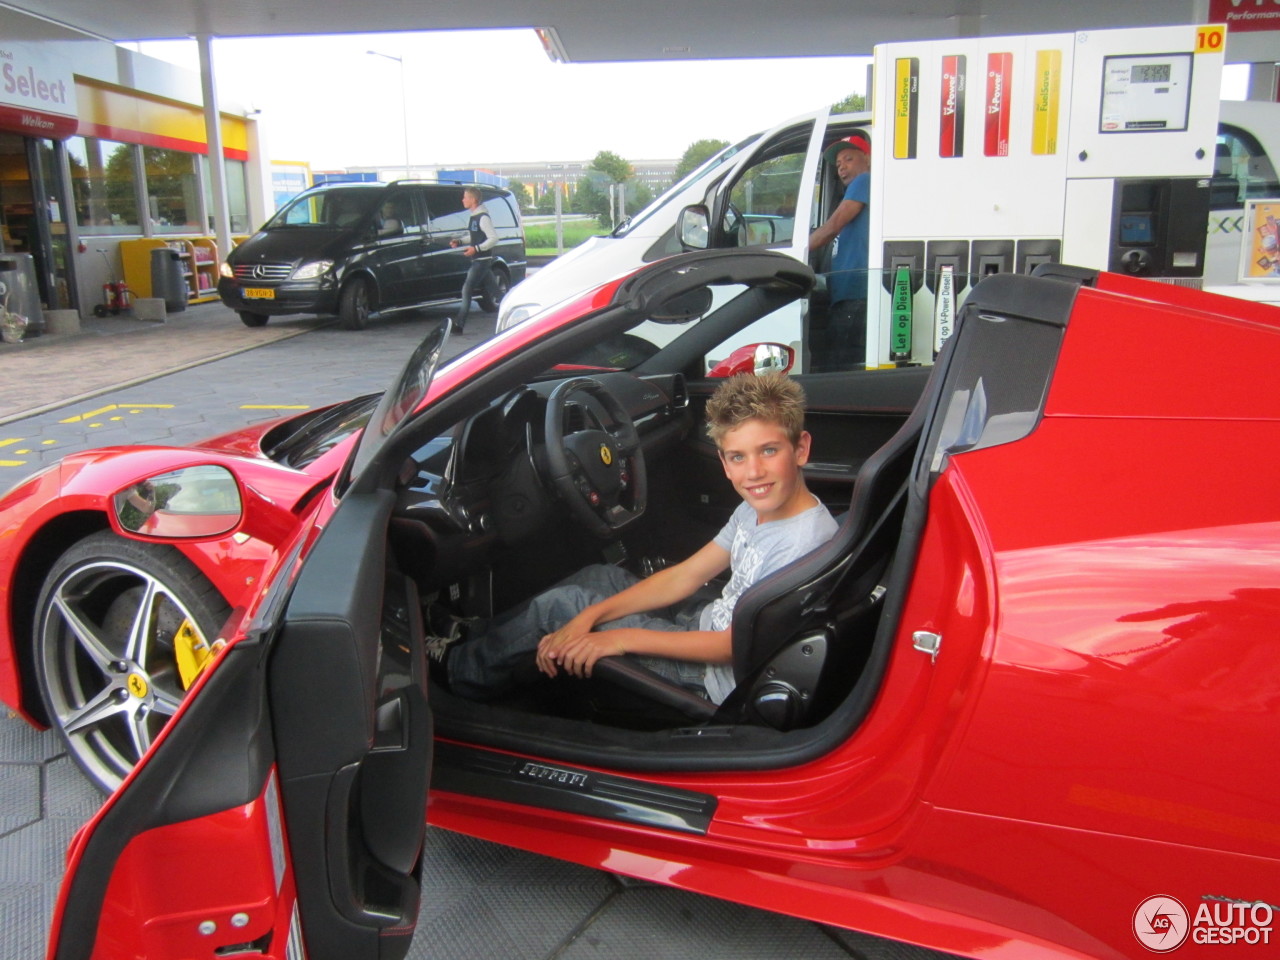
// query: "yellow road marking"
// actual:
[[10, 441], [132, 408], [275, 406]]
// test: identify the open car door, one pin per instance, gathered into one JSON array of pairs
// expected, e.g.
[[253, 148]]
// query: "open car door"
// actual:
[[281, 813]]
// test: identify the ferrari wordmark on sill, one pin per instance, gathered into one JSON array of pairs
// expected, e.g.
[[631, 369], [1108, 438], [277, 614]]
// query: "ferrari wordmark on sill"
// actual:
[[568, 778]]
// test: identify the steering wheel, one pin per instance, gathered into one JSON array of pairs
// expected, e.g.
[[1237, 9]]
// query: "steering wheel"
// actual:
[[598, 472]]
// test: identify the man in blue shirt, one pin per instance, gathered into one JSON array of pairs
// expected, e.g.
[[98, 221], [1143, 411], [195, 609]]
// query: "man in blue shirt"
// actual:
[[849, 226]]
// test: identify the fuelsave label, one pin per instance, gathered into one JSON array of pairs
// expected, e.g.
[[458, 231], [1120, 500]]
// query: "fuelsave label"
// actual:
[[906, 92], [951, 119], [1048, 95], [999, 77]]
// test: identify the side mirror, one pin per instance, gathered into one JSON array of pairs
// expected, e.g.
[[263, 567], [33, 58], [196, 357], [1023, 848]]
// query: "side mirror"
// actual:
[[756, 359], [192, 502], [695, 227]]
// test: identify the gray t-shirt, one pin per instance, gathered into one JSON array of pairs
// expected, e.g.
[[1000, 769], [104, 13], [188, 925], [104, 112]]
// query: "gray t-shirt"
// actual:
[[755, 551]]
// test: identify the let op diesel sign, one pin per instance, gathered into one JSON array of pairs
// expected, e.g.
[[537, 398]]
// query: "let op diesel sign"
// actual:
[[37, 93]]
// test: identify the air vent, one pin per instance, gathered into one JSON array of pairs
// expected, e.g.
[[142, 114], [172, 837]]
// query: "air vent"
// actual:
[[679, 392]]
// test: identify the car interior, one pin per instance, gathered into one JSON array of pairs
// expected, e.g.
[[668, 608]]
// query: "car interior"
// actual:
[[502, 502]]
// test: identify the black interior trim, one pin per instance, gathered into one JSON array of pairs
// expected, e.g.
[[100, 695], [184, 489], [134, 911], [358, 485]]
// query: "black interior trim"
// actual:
[[520, 780], [353, 740]]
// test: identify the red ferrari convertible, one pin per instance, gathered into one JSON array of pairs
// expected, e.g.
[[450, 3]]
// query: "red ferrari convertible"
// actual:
[[1021, 705]]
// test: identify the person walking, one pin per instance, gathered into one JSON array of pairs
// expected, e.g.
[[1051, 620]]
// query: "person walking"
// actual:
[[482, 240]]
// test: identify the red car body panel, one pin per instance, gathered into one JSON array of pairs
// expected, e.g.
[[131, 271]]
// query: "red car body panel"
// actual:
[[970, 775], [86, 483], [1094, 729], [203, 897]]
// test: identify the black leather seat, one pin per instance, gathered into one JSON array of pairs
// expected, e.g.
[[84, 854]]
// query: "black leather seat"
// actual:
[[799, 634]]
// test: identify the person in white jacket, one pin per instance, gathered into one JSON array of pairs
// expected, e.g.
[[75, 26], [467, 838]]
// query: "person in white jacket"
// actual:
[[482, 241]]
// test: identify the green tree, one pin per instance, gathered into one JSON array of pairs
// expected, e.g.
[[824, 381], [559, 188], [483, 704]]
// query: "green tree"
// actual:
[[122, 200], [522, 195], [592, 196], [603, 172], [171, 185], [853, 103], [639, 196], [696, 154], [547, 202], [612, 166]]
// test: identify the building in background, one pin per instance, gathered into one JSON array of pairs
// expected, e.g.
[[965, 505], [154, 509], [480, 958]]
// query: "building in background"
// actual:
[[540, 176], [103, 156]]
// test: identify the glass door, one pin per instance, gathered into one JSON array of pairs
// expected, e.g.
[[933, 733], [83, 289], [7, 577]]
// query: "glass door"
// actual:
[[32, 217]]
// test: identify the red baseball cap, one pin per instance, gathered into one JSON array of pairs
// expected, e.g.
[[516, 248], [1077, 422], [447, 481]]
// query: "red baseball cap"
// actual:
[[857, 141]]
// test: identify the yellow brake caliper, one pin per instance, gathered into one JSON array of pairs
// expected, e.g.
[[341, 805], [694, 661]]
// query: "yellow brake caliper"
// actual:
[[192, 652]]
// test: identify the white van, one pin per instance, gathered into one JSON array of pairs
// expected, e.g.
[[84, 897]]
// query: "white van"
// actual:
[[764, 178], [754, 189]]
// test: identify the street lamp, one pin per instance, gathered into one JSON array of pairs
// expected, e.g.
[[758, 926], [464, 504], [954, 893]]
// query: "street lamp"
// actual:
[[404, 104]]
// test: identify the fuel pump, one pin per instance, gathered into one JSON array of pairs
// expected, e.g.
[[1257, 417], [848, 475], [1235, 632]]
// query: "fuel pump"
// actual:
[[997, 154]]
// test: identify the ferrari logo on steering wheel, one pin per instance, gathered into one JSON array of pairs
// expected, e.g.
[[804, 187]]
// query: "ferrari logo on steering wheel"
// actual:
[[606, 455]]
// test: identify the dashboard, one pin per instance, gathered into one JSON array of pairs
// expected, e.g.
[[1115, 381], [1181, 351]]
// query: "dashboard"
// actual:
[[484, 484]]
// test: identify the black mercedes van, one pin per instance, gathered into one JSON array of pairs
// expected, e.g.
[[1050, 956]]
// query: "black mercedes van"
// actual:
[[366, 249]]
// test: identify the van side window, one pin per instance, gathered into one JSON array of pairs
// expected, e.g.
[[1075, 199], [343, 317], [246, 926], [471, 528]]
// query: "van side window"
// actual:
[[763, 201], [500, 211], [1241, 170], [398, 214], [445, 210]]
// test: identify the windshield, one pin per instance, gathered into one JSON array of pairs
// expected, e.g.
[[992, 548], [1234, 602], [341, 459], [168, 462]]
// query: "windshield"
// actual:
[[402, 399], [302, 440], [676, 191], [328, 209]]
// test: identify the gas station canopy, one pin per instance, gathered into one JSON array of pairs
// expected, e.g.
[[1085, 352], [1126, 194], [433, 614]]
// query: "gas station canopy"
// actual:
[[587, 30]]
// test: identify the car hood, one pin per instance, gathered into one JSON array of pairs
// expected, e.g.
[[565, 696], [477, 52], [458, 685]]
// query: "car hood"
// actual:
[[292, 244], [573, 272]]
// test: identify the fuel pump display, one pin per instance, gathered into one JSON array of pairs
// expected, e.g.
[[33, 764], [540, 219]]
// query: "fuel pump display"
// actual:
[[1146, 93]]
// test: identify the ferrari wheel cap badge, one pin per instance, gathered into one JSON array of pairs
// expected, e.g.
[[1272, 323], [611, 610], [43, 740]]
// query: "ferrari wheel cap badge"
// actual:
[[137, 685], [606, 455]]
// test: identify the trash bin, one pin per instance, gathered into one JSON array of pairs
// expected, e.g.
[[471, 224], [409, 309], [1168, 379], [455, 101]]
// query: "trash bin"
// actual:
[[19, 292], [167, 279]]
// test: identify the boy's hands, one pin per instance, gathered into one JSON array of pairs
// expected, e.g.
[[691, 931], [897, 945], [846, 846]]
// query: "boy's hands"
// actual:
[[575, 649]]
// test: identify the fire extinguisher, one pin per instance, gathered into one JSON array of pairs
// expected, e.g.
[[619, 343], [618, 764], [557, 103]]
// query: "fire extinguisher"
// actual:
[[115, 293]]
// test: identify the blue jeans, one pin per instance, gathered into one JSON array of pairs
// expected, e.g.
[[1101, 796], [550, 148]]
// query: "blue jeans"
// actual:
[[502, 659], [479, 275]]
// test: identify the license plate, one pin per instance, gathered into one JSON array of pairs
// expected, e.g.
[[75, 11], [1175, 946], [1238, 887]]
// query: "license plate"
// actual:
[[258, 293]]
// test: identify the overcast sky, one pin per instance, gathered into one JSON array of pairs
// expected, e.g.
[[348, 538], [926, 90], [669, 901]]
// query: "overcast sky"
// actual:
[[489, 96]]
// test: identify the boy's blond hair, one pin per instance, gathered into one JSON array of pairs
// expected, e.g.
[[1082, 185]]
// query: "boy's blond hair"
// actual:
[[771, 397]]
